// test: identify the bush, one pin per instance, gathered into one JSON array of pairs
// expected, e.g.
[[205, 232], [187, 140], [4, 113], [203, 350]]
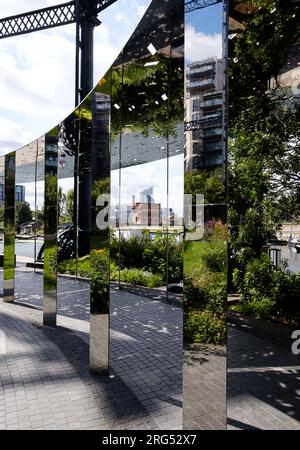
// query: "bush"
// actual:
[[141, 278], [205, 287], [262, 309], [142, 252], [203, 326], [267, 291]]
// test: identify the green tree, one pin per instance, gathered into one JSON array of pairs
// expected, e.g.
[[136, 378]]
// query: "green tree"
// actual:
[[61, 201], [70, 203], [264, 131]]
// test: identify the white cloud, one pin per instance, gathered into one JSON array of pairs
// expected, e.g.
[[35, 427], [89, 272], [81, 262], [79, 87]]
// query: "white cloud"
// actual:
[[200, 45], [37, 69], [137, 178]]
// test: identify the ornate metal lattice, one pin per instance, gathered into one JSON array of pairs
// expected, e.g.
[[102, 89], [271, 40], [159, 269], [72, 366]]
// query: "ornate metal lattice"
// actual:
[[37, 20], [198, 4], [41, 19]]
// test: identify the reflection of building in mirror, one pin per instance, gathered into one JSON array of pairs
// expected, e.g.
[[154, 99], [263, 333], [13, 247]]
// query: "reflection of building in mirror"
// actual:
[[20, 193], [204, 90]]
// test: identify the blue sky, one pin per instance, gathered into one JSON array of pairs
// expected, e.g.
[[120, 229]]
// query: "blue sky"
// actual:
[[37, 69], [207, 20], [37, 76]]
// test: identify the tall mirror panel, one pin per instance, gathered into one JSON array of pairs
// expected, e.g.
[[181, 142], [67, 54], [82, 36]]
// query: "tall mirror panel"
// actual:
[[205, 248], [72, 283], [50, 228], [264, 213], [29, 223], [145, 249], [2, 178], [99, 107], [9, 228]]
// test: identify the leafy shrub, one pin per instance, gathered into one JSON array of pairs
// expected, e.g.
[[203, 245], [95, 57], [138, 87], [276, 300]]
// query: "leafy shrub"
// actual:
[[149, 254], [276, 288], [205, 287], [262, 309], [141, 278]]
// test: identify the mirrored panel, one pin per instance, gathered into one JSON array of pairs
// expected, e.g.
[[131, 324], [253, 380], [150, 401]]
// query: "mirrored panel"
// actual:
[[73, 295], [2, 191], [29, 197], [263, 172], [205, 247], [9, 228], [146, 258], [50, 228], [100, 107]]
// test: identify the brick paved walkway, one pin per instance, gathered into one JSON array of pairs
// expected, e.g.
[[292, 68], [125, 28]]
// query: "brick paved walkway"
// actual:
[[204, 388], [45, 382], [263, 383]]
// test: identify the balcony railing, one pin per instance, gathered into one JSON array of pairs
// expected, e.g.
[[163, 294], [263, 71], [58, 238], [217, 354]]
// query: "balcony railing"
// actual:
[[213, 147], [208, 82], [201, 69], [213, 132], [210, 103]]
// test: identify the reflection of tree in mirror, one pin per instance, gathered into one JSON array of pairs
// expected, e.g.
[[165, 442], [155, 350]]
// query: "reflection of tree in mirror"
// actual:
[[261, 49], [70, 203], [23, 214], [210, 184], [141, 96]]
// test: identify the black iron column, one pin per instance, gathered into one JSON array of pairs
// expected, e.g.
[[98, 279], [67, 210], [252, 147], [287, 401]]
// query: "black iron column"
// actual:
[[87, 18]]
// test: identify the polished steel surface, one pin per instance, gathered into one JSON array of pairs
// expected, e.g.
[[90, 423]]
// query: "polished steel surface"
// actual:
[[50, 228], [99, 109], [205, 248]]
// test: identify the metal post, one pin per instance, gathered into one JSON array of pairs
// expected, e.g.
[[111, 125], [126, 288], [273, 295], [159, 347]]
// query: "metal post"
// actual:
[[87, 17]]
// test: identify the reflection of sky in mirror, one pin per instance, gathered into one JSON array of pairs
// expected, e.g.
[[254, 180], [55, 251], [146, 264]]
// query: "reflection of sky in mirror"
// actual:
[[30, 194], [37, 69], [135, 179], [203, 33]]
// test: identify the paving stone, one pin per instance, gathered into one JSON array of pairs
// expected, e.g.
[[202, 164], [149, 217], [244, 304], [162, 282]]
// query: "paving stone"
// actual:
[[45, 376]]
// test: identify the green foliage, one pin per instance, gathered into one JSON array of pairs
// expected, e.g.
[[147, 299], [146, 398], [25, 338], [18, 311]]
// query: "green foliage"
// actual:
[[161, 117], [148, 254], [99, 278], [264, 127], [261, 50], [267, 291], [210, 184], [70, 203], [203, 326], [205, 287], [141, 278], [262, 309], [99, 270]]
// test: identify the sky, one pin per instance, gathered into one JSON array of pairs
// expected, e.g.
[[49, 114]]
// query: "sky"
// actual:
[[37, 79], [37, 69]]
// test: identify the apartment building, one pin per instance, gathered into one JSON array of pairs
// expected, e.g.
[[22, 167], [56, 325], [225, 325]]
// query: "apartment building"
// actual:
[[203, 114]]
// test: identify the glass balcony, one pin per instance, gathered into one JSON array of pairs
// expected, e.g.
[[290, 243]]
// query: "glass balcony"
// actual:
[[211, 103], [202, 84], [202, 69], [212, 132], [213, 146]]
